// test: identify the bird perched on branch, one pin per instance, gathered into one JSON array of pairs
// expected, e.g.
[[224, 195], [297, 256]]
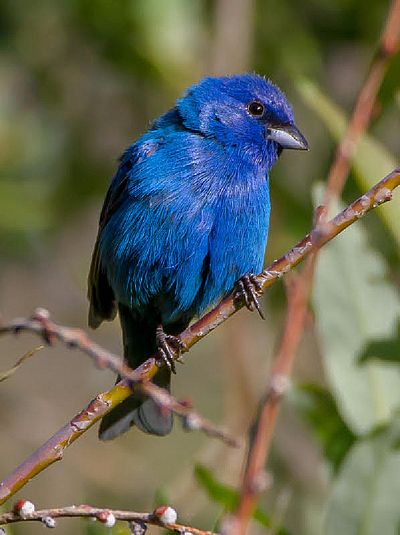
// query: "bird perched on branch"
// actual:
[[184, 222]]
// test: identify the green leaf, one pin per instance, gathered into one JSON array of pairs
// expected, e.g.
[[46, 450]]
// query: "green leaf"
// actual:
[[354, 303], [365, 496], [397, 98], [97, 528], [318, 407], [371, 161], [217, 492], [228, 498], [160, 497], [387, 350], [94, 528]]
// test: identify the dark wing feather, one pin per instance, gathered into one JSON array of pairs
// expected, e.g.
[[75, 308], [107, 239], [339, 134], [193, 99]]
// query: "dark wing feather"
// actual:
[[100, 294]]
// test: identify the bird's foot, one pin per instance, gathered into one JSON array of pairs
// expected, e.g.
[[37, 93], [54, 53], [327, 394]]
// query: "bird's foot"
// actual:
[[247, 290], [169, 348]]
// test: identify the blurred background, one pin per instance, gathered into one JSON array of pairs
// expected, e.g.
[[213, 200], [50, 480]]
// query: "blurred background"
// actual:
[[79, 81]]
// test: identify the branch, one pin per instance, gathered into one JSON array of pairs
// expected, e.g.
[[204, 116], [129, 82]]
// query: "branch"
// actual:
[[319, 236], [364, 106], [40, 323], [254, 477], [54, 448], [163, 516], [298, 293], [191, 420]]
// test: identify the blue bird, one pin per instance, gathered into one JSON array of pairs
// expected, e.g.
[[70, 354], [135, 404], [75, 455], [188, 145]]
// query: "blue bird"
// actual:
[[185, 221]]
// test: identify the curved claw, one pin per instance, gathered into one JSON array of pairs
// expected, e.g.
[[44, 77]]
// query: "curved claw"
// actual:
[[247, 289], [169, 348]]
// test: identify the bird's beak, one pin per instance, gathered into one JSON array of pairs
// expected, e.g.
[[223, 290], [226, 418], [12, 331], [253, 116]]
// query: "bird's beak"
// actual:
[[287, 136]]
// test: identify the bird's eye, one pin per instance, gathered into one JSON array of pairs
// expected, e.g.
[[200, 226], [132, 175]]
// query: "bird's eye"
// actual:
[[256, 109]]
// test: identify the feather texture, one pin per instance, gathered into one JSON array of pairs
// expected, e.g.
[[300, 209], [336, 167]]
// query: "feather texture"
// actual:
[[185, 217]]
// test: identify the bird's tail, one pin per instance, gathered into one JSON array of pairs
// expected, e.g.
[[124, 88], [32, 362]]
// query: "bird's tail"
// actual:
[[139, 343]]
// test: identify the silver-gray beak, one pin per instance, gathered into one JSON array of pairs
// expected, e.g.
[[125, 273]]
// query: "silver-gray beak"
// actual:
[[287, 136]]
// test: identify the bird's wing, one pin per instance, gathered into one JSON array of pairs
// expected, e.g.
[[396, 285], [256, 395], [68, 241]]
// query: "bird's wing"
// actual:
[[154, 227], [100, 294]]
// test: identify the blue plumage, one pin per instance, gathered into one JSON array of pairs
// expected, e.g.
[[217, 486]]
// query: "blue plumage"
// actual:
[[186, 216]]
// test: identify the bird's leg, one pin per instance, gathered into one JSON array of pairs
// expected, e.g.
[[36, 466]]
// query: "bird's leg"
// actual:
[[247, 290], [168, 346]]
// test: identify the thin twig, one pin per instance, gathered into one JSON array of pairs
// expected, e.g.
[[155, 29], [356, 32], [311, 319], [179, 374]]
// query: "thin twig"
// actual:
[[106, 516], [41, 324], [298, 296], [191, 420], [54, 448], [10, 372]]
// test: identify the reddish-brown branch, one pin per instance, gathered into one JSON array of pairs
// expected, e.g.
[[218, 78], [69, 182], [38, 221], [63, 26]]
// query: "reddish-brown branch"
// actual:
[[279, 380], [53, 449], [103, 515], [41, 324], [299, 295], [318, 237], [364, 106], [191, 420]]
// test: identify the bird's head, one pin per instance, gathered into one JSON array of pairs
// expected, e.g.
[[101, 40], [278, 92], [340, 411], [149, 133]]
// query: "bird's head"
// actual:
[[244, 111]]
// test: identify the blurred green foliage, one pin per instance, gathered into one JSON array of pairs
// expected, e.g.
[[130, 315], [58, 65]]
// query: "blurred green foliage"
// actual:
[[80, 80], [371, 159], [318, 407], [387, 349], [355, 303], [228, 498], [364, 497]]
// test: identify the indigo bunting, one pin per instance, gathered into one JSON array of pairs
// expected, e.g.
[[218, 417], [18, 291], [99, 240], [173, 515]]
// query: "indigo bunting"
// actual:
[[186, 219]]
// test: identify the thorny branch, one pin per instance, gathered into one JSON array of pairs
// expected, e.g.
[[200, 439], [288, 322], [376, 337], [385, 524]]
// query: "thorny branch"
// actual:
[[163, 516], [54, 448], [300, 289]]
